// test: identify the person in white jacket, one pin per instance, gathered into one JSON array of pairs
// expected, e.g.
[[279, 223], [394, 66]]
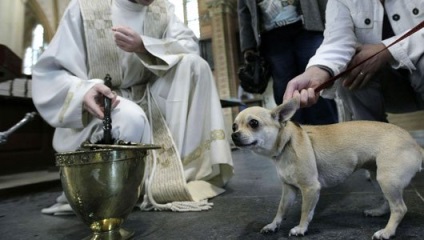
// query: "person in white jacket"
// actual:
[[153, 59], [391, 81]]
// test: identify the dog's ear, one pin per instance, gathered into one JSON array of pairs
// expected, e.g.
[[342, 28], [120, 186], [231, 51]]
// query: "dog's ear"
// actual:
[[286, 110]]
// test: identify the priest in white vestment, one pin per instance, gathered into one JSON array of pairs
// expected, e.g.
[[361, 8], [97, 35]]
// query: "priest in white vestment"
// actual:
[[166, 63]]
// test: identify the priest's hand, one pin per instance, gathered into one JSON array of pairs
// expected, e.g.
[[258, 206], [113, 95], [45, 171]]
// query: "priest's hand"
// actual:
[[128, 40], [93, 100]]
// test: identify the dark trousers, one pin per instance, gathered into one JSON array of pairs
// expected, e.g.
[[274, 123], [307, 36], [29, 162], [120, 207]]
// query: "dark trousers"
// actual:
[[288, 50]]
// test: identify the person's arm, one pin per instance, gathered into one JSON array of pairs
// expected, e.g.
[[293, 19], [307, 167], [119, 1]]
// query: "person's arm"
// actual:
[[60, 80], [247, 35], [158, 54], [339, 44], [360, 75], [304, 85], [408, 52], [128, 40], [331, 58]]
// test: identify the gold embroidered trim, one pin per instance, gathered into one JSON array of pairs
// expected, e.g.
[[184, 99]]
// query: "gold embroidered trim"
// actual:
[[156, 19], [102, 52], [66, 106], [199, 152]]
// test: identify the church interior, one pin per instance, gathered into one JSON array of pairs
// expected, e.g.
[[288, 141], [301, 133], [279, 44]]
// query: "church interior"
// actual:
[[30, 181]]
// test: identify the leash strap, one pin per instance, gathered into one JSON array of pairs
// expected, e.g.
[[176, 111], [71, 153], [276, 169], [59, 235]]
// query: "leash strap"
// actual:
[[333, 79]]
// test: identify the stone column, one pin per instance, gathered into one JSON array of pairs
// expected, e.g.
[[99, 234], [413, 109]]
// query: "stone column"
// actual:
[[225, 50], [12, 14]]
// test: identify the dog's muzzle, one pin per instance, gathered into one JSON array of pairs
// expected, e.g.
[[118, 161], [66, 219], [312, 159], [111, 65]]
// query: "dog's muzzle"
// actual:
[[239, 141]]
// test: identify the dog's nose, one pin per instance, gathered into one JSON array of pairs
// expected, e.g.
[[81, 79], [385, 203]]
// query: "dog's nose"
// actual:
[[236, 137]]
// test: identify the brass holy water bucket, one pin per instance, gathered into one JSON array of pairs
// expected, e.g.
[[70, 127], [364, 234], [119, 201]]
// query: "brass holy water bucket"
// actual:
[[102, 185]]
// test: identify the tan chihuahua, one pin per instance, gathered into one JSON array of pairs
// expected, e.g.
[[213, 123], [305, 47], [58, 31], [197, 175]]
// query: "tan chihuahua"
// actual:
[[309, 158]]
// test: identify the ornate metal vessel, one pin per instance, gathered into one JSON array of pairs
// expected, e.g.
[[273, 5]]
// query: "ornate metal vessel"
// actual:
[[102, 185]]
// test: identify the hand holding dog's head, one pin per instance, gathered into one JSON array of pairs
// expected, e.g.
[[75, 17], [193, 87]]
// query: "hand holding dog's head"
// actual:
[[258, 128]]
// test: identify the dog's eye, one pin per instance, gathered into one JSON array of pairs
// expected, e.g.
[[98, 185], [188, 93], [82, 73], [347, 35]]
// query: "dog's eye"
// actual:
[[234, 127], [253, 123]]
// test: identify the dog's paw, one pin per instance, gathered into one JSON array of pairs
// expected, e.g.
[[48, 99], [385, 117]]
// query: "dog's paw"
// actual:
[[383, 234], [270, 228], [298, 231]]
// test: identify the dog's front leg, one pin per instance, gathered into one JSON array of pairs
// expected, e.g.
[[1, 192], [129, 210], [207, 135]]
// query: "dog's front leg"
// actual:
[[310, 196], [287, 198]]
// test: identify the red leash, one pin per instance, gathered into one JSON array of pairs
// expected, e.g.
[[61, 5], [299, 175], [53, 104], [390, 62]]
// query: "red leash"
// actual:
[[333, 79]]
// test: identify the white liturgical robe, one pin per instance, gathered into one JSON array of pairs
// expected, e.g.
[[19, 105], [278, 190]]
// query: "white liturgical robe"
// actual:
[[180, 82]]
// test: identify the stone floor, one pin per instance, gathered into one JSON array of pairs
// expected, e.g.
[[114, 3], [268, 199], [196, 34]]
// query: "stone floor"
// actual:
[[249, 203]]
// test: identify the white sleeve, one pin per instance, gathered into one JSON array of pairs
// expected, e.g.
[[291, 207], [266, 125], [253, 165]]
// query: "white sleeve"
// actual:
[[60, 79], [407, 52], [178, 39], [340, 41]]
